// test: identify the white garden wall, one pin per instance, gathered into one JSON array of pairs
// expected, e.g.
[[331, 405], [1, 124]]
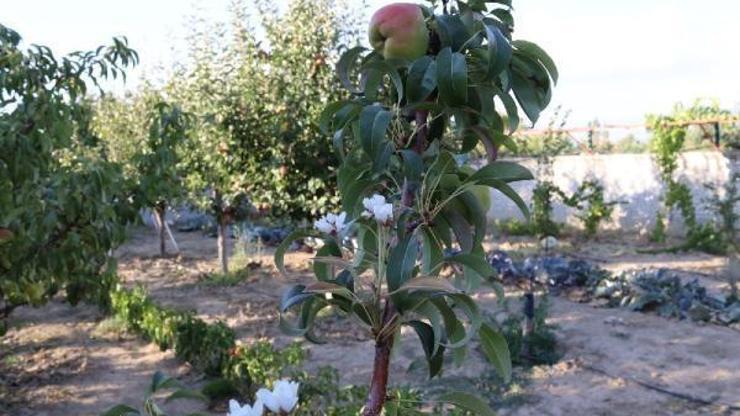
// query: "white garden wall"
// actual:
[[632, 178]]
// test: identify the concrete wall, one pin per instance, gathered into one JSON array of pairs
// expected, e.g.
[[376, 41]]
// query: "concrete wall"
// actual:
[[632, 178]]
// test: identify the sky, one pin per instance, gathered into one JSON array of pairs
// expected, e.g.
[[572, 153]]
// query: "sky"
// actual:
[[618, 60]]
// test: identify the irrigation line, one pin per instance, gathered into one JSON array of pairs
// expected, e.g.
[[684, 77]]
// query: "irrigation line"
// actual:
[[694, 399]]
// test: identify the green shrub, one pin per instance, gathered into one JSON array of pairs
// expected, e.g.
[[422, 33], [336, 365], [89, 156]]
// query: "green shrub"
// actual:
[[541, 345], [205, 346]]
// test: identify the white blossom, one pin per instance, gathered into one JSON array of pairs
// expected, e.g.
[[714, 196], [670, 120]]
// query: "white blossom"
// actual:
[[331, 223], [237, 410], [282, 398], [377, 207]]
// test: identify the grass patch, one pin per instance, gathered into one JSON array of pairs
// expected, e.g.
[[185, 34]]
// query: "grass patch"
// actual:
[[110, 328]]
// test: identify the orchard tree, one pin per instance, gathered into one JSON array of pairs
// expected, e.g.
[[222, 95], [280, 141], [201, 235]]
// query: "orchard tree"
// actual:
[[158, 164], [258, 103], [295, 173], [214, 170], [62, 208], [123, 125], [423, 96]]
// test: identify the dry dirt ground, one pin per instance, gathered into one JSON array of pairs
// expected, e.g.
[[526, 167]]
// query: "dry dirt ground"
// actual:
[[61, 360]]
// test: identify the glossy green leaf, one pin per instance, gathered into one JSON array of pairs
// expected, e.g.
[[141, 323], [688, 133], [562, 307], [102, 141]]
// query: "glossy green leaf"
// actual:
[[344, 68], [435, 357], [401, 262], [293, 296], [384, 68], [280, 250], [452, 31], [322, 270], [499, 51], [121, 410], [328, 288], [501, 171], [421, 79], [533, 50], [469, 402], [374, 121], [452, 77], [455, 332], [475, 262], [512, 113], [432, 255], [497, 350], [428, 284]]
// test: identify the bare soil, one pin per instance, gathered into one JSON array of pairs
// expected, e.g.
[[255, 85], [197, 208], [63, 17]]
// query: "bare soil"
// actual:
[[60, 360]]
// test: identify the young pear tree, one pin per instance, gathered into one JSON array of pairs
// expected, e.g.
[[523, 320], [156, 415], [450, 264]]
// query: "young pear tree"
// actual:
[[158, 164], [417, 224], [62, 202], [258, 102], [212, 162]]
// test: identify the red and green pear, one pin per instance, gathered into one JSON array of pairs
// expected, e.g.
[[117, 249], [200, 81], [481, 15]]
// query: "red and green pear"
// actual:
[[398, 31]]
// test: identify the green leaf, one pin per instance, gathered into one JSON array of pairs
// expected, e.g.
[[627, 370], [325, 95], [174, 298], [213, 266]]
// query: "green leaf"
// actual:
[[468, 402], [186, 394], [294, 295], [161, 381], [121, 410], [475, 262], [452, 31], [322, 270], [401, 262], [384, 68], [344, 68], [353, 181], [421, 80], [531, 86], [429, 311], [285, 244], [457, 337], [307, 315], [328, 287], [327, 115], [512, 113], [460, 227], [496, 349], [475, 215], [501, 171], [509, 192], [432, 255], [534, 51], [219, 389], [452, 77], [428, 284], [426, 337], [374, 121], [499, 51]]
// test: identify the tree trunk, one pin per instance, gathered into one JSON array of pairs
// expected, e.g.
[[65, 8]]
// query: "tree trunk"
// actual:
[[223, 245], [159, 214], [379, 384], [383, 346]]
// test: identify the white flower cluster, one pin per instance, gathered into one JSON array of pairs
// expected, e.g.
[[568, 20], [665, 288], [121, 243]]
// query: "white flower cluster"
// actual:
[[331, 223], [280, 400], [377, 207]]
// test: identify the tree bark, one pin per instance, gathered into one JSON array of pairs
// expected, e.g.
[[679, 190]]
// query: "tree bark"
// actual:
[[383, 346], [379, 383], [223, 245], [159, 214]]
